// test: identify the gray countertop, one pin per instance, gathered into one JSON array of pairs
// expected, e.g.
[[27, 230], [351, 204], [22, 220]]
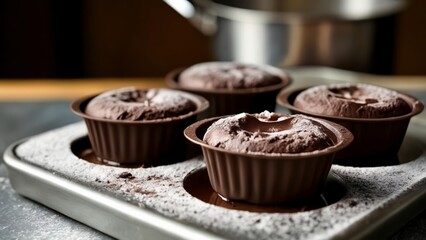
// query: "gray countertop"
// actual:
[[22, 218]]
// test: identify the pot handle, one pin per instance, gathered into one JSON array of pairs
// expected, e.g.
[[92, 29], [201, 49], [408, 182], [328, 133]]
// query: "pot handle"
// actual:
[[197, 14]]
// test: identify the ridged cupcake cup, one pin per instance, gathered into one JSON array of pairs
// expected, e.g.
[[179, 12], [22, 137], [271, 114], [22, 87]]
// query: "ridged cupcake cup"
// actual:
[[268, 178], [225, 101], [152, 142], [376, 140]]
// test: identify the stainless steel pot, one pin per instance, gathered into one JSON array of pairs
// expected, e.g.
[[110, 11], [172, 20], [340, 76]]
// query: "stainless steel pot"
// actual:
[[350, 34]]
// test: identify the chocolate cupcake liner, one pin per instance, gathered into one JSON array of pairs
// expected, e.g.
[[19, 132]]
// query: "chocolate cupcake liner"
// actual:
[[376, 140], [152, 142], [133, 143], [267, 178], [226, 102], [258, 180]]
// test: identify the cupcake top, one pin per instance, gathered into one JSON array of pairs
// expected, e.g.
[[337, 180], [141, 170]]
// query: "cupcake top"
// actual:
[[137, 105], [229, 75], [268, 133], [352, 100]]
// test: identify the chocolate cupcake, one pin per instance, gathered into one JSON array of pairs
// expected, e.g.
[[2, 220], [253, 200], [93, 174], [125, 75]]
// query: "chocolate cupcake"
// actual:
[[139, 126], [377, 117], [268, 158], [232, 87]]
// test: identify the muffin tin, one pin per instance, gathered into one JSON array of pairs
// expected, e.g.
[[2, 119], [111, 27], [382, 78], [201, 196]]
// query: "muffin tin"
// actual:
[[57, 169]]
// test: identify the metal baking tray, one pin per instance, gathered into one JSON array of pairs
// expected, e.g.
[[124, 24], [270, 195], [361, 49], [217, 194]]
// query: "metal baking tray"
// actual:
[[124, 219]]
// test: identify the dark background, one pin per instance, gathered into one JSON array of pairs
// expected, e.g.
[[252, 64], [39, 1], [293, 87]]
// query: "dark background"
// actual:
[[131, 38]]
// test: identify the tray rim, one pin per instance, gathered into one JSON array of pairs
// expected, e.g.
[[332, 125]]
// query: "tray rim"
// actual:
[[380, 223]]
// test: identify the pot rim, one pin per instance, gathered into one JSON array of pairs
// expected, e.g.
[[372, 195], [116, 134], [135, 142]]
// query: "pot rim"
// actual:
[[349, 10]]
